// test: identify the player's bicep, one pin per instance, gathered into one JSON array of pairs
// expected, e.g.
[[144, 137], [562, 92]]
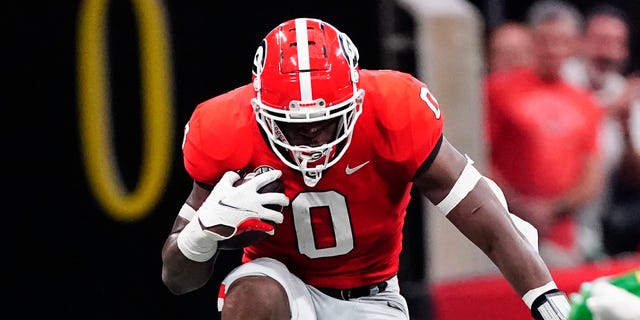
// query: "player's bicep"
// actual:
[[437, 176]]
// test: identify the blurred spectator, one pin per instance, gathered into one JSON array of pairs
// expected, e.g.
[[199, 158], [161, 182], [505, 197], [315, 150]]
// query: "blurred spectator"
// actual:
[[599, 68], [542, 135], [509, 45]]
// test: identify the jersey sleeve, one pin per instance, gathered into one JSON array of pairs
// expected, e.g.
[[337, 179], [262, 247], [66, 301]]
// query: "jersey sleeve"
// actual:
[[215, 140], [197, 161], [411, 123]]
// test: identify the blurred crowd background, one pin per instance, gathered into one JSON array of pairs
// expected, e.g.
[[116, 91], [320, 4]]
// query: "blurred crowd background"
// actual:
[[545, 95]]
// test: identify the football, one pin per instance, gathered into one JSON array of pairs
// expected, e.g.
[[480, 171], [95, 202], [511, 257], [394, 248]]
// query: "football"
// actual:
[[250, 237]]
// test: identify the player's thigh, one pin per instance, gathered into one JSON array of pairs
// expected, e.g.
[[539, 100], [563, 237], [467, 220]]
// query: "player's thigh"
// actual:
[[299, 298]]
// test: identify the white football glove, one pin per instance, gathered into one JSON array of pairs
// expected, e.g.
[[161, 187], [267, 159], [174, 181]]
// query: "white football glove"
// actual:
[[609, 302], [241, 208]]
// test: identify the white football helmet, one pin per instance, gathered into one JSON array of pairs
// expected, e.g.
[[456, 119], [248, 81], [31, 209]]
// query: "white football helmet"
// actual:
[[305, 71]]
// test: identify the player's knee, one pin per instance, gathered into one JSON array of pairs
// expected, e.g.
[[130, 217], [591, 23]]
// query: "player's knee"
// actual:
[[257, 295]]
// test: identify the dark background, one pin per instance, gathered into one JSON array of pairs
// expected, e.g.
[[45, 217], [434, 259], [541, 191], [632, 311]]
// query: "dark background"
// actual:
[[67, 256]]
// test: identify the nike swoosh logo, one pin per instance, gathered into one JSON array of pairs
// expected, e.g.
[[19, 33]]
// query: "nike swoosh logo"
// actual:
[[232, 207], [348, 170]]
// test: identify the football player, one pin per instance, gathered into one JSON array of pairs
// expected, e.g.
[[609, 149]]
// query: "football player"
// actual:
[[348, 145]]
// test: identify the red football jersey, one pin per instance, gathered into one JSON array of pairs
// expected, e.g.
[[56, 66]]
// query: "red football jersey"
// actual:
[[347, 230]]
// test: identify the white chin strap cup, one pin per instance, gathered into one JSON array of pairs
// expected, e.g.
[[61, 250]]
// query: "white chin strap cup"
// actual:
[[311, 177]]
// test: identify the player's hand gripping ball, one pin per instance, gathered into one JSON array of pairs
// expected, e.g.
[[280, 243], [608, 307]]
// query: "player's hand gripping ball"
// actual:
[[248, 238]]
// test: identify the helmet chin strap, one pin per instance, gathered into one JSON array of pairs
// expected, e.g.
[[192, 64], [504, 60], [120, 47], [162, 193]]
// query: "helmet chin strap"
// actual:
[[311, 177]]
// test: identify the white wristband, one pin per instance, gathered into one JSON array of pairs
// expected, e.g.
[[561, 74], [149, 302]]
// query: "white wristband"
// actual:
[[532, 294], [187, 212], [196, 244]]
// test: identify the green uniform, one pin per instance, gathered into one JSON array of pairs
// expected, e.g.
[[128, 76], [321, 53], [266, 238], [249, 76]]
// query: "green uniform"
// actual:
[[579, 311]]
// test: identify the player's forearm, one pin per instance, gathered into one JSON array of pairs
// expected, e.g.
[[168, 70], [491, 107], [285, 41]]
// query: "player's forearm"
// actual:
[[483, 219], [498, 238], [520, 264], [487, 224], [180, 274]]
